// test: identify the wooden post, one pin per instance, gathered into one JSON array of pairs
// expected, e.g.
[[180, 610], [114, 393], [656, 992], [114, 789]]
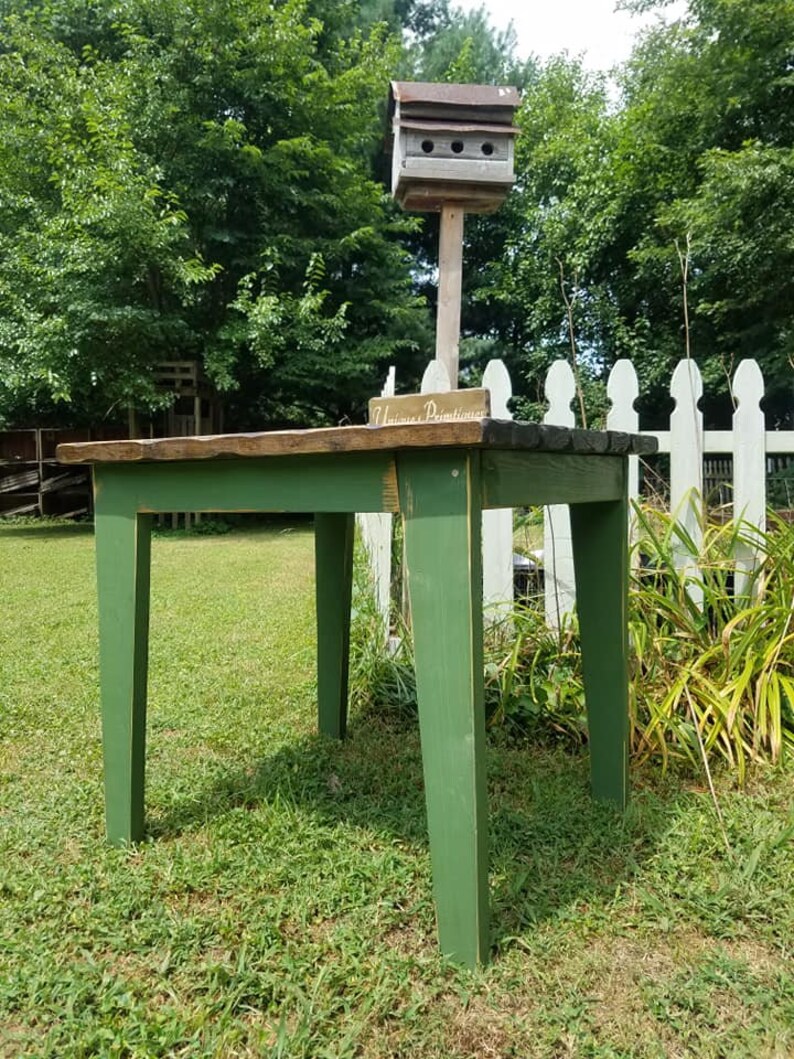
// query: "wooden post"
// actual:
[[623, 389], [333, 549], [440, 498], [450, 272], [122, 556], [197, 431], [600, 546]]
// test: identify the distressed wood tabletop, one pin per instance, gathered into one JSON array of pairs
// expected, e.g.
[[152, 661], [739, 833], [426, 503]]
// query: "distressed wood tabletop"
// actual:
[[471, 433]]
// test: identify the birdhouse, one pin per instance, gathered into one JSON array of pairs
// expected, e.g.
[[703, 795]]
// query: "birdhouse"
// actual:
[[453, 145]]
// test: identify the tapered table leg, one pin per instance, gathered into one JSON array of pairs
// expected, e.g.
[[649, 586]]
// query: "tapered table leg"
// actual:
[[333, 547], [440, 500], [123, 558], [600, 546]]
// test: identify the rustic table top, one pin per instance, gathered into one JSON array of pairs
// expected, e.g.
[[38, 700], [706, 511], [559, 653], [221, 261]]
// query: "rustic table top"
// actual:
[[470, 433]]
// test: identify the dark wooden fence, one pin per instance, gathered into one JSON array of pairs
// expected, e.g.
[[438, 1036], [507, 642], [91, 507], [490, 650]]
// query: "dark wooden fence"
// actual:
[[32, 482]]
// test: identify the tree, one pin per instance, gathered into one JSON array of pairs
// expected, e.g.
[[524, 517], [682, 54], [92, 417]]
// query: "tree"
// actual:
[[200, 188], [705, 158], [544, 295], [690, 174]]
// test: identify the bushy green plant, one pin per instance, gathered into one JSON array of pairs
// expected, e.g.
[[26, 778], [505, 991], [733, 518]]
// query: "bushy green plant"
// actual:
[[720, 673], [780, 487], [533, 677], [379, 675], [713, 678]]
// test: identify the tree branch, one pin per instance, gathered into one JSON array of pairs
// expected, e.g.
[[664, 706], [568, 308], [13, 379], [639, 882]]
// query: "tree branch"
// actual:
[[572, 335]]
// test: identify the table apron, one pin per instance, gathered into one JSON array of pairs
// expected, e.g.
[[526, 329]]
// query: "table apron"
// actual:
[[521, 479], [350, 481]]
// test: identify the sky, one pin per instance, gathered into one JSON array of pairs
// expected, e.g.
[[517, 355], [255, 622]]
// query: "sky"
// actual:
[[588, 27]]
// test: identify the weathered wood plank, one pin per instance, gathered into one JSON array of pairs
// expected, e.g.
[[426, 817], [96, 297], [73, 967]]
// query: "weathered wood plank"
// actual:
[[430, 407], [19, 481], [486, 433]]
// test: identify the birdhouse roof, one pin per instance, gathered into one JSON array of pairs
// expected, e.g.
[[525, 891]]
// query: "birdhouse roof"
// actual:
[[490, 104]]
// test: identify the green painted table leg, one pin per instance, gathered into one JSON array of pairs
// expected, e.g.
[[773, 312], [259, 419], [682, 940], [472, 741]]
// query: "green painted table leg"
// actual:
[[122, 548], [440, 501], [333, 547], [600, 547]]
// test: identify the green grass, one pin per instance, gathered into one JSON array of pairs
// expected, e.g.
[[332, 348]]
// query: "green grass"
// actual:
[[281, 906]]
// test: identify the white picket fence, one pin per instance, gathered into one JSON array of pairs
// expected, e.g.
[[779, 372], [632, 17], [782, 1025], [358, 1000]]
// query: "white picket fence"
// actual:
[[748, 442]]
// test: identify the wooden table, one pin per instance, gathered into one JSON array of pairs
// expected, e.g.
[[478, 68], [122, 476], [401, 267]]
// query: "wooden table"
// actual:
[[439, 477]]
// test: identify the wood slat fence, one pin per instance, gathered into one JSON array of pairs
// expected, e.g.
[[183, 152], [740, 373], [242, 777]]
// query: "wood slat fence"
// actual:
[[734, 464]]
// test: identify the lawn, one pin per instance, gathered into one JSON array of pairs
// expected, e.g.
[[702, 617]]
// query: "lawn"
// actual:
[[281, 904]]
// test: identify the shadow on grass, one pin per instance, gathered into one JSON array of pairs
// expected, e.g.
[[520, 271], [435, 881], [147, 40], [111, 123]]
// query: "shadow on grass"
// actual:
[[43, 531], [552, 847], [239, 525]]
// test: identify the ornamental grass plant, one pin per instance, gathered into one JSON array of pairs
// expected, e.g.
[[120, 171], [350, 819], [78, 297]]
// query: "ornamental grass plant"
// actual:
[[718, 673], [712, 668]]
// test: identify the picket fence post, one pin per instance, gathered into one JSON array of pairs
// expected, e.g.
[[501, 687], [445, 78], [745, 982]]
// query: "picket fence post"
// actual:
[[623, 389], [376, 535], [686, 472], [749, 465], [435, 378], [560, 591], [497, 524]]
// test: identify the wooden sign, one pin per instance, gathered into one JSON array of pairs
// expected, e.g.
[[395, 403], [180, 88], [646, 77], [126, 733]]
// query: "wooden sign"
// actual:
[[451, 406]]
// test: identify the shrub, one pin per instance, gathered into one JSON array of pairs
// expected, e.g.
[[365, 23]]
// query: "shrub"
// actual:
[[721, 673], [714, 679]]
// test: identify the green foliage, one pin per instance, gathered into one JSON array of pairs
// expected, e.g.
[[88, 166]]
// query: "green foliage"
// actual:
[[171, 176], [706, 137], [780, 488], [89, 239], [162, 196], [695, 157], [281, 904], [557, 231], [722, 675], [715, 680], [465, 48], [379, 678]]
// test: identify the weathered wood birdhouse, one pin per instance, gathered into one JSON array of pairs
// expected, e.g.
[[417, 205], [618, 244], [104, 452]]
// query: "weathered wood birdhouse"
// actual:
[[453, 145]]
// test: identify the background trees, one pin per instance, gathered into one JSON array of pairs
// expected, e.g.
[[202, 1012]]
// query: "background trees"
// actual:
[[194, 181], [684, 183], [207, 180]]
